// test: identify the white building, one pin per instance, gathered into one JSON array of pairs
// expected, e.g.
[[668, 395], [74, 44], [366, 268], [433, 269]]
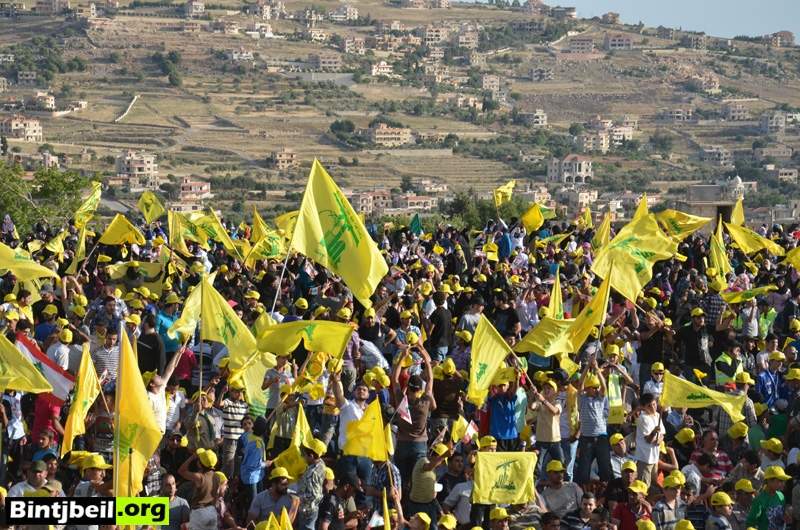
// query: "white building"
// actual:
[[140, 170]]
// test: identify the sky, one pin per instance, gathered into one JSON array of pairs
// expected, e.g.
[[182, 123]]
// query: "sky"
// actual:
[[720, 18]]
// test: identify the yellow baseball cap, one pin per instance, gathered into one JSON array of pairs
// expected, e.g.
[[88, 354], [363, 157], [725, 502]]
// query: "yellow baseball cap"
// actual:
[[207, 457], [629, 465], [464, 335], [685, 435], [405, 314], [487, 441], [698, 312], [743, 378], [793, 374], [448, 522], [679, 476], [498, 514], [301, 303], [279, 472], [775, 472], [615, 438], [555, 465], [720, 498], [684, 524], [345, 313], [591, 381], [744, 485], [638, 487], [645, 524], [672, 482], [253, 295], [772, 445], [777, 356], [657, 367], [738, 430]]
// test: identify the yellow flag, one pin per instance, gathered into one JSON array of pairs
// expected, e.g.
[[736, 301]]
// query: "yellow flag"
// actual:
[[680, 393], [737, 215], [316, 335], [641, 209], [503, 194], [272, 522], [17, 372], [84, 214], [87, 388], [292, 457], [718, 254], [121, 231], [545, 338], [137, 434], [532, 219], [555, 240], [459, 429], [222, 324], [80, 252], [504, 478], [489, 352], [118, 270], [750, 242], [680, 225], [285, 522], [737, 297], [212, 226], [20, 263], [363, 436], [177, 241], [151, 206], [270, 246], [590, 316], [251, 374], [286, 223], [260, 228], [603, 233], [793, 258], [556, 305], [329, 232], [56, 245], [585, 219], [629, 258]]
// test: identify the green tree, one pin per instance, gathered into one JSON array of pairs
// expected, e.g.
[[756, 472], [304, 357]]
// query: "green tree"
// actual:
[[406, 184], [51, 196], [575, 129]]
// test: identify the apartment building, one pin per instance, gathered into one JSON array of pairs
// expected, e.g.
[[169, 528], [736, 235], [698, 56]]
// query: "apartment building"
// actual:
[[572, 169], [19, 127], [386, 136], [139, 169]]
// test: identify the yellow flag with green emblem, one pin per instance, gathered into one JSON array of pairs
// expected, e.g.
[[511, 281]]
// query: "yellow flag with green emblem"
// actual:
[[556, 305], [555, 240], [120, 232], [316, 335], [270, 246], [603, 233], [504, 478], [17, 372], [286, 223], [680, 225], [260, 228], [210, 224], [87, 388], [737, 215], [151, 206], [364, 436], [629, 258], [737, 297], [680, 393], [718, 254], [86, 211], [584, 220], [503, 194], [292, 457], [533, 219], [641, 209], [329, 232], [20, 263], [793, 258], [546, 338], [489, 352], [137, 434], [750, 242], [80, 253]]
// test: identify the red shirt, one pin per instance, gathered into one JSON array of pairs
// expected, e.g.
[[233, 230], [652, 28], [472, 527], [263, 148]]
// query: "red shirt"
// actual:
[[724, 464], [46, 409], [627, 519]]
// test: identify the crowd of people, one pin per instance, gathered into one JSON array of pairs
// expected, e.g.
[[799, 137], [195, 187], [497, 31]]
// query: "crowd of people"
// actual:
[[610, 456]]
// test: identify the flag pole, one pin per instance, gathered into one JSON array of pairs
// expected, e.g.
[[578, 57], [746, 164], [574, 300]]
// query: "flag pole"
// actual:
[[280, 279], [116, 418]]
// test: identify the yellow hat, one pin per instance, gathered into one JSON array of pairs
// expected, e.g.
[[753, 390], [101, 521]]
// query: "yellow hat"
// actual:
[[629, 465], [412, 338], [10, 297], [319, 311], [448, 366], [591, 381], [794, 325], [698, 312], [761, 408], [318, 447], [777, 356], [744, 485], [481, 278], [720, 498], [448, 521], [207, 457], [793, 374], [425, 518], [615, 438], [744, 378], [498, 514], [81, 299], [172, 298], [645, 524], [50, 309], [144, 291], [445, 288], [555, 465], [775, 472], [612, 350], [738, 430], [773, 445], [223, 268], [252, 295], [221, 477], [65, 336], [405, 314], [102, 258], [345, 313], [279, 472], [608, 330], [93, 461], [685, 435], [79, 311], [684, 524], [487, 441], [651, 302], [464, 335], [133, 319], [301, 303], [329, 474], [235, 384], [657, 367], [62, 322], [672, 482], [678, 475], [425, 288], [638, 487], [369, 313]]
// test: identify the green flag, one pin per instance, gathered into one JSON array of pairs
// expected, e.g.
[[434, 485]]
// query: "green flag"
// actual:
[[416, 225]]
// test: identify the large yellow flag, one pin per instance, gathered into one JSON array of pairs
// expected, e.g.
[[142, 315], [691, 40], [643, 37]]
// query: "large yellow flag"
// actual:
[[718, 254], [504, 478], [793, 258], [556, 305], [489, 352], [260, 228], [137, 434], [629, 258], [80, 252], [151, 206], [680, 393], [17, 372], [56, 245], [183, 229], [176, 240], [737, 297], [503, 194], [286, 223], [584, 220], [118, 270], [316, 335], [590, 316], [120, 232], [533, 219], [603, 233], [750, 242], [641, 208], [737, 215], [555, 240], [547, 338], [84, 214], [20, 263], [212, 226], [292, 457], [251, 373], [680, 225], [270, 246], [329, 232], [364, 435], [87, 388]]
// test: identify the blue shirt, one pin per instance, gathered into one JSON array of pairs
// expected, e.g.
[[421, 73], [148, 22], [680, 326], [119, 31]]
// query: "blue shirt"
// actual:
[[593, 412], [250, 470], [767, 384], [43, 330], [163, 323], [502, 422]]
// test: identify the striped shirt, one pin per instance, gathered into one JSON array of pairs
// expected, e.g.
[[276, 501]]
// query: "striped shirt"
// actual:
[[232, 414], [106, 359]]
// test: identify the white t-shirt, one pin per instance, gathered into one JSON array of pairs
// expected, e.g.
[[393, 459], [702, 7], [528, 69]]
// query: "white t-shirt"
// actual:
[[349, 412], [174, 409], [647, 452], [59, 354], [15, 428], [460, 498], [158, 402]]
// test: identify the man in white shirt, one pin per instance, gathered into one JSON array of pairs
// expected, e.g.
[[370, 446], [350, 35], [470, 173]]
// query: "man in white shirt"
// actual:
[[349, 409], [58, 352], [37, 476], [649, 435]]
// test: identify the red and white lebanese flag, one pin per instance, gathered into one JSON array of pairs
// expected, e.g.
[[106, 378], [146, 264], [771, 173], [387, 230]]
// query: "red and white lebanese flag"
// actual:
[[61, 380]]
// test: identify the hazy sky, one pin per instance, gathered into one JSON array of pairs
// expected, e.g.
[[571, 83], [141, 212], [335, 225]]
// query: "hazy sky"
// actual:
[[723, 18]]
